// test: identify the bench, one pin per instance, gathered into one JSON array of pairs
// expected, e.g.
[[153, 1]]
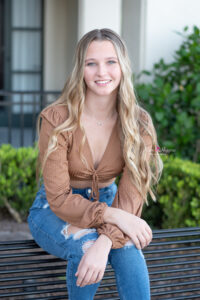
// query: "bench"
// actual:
[[173, 259]]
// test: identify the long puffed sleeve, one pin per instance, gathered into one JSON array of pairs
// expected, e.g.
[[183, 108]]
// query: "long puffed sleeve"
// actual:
[[72, 208], [128, 199]]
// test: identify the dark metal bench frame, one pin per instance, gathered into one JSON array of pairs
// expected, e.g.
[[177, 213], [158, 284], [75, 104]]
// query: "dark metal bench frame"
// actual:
[[173, 259]]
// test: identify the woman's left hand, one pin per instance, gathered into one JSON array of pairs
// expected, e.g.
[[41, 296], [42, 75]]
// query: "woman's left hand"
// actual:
[[93, 263]]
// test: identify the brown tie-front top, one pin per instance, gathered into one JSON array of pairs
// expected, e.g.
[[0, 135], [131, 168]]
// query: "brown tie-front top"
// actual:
[[65, 164]]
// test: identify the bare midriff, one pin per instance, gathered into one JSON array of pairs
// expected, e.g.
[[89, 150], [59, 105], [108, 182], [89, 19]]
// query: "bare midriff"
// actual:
[[88, 184]]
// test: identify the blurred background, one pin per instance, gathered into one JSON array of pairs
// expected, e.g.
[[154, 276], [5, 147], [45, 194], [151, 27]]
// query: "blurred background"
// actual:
[[37, 43], [38, 39]]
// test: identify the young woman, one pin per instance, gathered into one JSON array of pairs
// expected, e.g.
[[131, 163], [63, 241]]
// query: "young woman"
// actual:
[[94, 132]]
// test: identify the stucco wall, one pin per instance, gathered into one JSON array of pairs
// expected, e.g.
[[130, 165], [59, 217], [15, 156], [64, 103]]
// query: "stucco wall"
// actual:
[[60, 37], [99, 14], [162, 20]]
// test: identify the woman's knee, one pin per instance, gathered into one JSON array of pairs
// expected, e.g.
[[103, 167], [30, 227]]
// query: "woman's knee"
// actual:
[[131, 245], [82, 239], [74, 241], [127, 251], [76, 232]]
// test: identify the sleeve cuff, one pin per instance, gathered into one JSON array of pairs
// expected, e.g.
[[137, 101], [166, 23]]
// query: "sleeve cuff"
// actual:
[[114, 234]]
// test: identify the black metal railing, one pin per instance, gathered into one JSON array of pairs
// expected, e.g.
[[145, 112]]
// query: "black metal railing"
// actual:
[[18, 114]]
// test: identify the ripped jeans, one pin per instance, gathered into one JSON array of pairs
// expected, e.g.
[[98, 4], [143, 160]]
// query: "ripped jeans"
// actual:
[[50, 233]]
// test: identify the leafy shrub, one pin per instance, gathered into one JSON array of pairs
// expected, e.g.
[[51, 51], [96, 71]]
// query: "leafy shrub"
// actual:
[[17, 178], [173, 98], [178, 195]]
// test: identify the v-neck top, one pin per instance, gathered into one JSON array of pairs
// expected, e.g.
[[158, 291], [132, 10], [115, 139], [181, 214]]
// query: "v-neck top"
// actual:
[[65, 164], [105, 172], [108, 143]]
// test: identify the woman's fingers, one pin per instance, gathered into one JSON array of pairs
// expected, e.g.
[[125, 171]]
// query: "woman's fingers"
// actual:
[[143, 241], [80, 278], [149, 231], [90, 277], [81, 271], [87, 278], [99, 276], [88, 274], [141, 238], [96, 277], [136, 242]]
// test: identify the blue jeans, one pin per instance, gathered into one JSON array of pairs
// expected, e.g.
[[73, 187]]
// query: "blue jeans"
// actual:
[[50, 233]]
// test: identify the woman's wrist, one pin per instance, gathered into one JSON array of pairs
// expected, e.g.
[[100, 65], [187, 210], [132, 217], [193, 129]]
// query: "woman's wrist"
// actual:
[[110, 215], [106, 241]]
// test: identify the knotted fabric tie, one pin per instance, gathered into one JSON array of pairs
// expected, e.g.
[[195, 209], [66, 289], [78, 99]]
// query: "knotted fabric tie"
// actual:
[[95, 187]]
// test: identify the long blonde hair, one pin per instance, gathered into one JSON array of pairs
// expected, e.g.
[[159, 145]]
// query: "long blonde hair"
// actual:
[[134, 120]]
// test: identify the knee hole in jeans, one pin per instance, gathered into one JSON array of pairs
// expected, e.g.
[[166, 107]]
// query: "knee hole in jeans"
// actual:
[[87, 245], [77, 235]]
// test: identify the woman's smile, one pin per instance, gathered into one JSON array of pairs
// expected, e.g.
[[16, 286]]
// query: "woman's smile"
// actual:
[[103, 82]]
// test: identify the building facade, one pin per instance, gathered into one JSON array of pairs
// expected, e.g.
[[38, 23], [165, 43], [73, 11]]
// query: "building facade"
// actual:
[[38, 39]]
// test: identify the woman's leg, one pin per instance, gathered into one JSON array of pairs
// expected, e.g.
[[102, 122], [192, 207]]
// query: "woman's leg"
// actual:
[[131, 273], [51, 234]]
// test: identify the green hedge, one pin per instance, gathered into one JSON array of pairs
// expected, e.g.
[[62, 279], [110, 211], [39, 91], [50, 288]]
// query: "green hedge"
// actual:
[[17, 179], [178, 195], [172, 97], [178, 192]]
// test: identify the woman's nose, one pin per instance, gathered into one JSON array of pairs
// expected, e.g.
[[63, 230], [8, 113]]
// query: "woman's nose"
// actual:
[[101, 70]]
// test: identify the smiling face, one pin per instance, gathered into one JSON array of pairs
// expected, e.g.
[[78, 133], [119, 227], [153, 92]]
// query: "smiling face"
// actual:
[[102, 72]]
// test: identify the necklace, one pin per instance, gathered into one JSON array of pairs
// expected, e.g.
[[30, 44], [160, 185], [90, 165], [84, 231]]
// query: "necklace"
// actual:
[[100, 123]]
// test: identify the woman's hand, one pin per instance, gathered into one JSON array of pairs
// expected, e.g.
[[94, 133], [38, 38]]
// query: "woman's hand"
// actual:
[[93, 263], [136, 228]]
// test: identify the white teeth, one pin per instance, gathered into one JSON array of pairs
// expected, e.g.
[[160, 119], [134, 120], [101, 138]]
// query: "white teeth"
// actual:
[[102, 81]]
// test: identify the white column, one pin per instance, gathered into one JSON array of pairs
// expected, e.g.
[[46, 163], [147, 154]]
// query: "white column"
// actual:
[[60, 38], [134, 31], [97, 14]]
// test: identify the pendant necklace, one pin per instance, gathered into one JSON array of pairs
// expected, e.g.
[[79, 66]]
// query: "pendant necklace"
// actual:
[[100, 123]]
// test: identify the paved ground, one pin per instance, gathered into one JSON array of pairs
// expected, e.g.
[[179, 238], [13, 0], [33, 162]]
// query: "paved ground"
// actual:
[[11, 230]]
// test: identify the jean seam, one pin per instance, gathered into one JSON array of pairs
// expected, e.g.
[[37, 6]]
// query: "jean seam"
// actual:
[[119, 287], [70, 275], [38, 228]]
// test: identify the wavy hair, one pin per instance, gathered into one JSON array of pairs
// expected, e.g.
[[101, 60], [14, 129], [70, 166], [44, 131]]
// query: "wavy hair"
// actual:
[[135, 121]]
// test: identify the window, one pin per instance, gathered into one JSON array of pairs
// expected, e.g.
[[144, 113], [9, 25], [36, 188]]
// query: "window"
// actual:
[[24, 41]]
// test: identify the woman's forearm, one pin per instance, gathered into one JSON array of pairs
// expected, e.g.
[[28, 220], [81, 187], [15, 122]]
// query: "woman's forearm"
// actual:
[[111, 215]]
